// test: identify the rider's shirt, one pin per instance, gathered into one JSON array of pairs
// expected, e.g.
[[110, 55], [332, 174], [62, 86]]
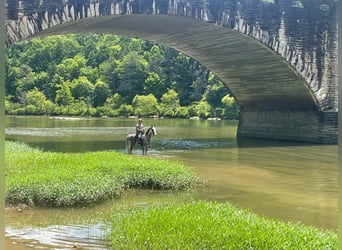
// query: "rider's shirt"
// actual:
[[139, 128]]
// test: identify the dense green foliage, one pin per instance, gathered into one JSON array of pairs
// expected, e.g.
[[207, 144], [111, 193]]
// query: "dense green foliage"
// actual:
[[108, 75], [41, 178], [211, 225]]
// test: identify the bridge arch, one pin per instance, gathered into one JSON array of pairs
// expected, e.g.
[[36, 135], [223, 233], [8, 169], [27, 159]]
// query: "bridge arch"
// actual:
[[275, 100]]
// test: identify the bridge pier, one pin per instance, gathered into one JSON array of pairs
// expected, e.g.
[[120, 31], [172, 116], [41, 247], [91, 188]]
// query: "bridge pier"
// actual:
[[304, 126]]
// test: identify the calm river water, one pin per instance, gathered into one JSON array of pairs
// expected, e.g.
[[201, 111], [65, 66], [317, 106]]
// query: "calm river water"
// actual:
[[284, 180]]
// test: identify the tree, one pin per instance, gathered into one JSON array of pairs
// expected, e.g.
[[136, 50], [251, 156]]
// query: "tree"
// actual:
[[201, 109], [230, 109], [215, 92], [36, 98], [101, 93], [145, 105], [82, 88], [49, 107], [200, 83], [39, 55], [156, 59], [108, 73], [135, 44], [70, 68], [91, 73], [182, 78], [11, 78], [22, 80], [114, 101], [189, 79], [41, 81], [99, 48], [63, 95], [125, 110], [169, 103], [154, 84], [132, 72]]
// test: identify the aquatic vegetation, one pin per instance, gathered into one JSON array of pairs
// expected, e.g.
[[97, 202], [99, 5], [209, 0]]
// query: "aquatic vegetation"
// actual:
[[211, 225], [40, 178]]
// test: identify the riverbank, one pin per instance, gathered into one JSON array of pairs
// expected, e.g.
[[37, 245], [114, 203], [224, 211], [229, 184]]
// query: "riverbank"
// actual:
[[49, 179], [211, 225]]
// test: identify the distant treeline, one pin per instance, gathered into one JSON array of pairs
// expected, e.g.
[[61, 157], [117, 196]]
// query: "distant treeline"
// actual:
[[109, 75]]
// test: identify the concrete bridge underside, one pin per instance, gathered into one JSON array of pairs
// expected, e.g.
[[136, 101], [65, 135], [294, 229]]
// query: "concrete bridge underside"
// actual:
[[274, 101]]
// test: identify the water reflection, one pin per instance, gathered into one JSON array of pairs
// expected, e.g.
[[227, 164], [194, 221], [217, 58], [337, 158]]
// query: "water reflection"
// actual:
[[88, 236]]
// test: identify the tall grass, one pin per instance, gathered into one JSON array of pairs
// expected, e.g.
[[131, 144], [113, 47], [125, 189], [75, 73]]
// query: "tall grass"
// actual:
[[211, 225], [40, 178]]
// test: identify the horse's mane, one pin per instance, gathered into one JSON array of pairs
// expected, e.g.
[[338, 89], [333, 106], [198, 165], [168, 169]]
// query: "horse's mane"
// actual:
[[148, 130]]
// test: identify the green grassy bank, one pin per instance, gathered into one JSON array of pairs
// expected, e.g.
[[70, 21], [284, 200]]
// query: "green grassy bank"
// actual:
[[211, 225], [40, 178]]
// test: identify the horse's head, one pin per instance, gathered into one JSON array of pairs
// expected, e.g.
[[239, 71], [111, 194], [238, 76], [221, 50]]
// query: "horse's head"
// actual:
[[154, 129]]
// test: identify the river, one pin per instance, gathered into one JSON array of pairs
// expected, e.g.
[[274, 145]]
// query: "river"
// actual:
[[289, 181]]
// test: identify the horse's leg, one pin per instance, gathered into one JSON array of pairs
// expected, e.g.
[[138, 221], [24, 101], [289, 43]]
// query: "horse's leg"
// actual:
[[132, 145], [128, 146], [144, 149]]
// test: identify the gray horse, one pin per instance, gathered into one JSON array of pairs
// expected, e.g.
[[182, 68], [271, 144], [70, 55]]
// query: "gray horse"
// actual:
[[145, 140]]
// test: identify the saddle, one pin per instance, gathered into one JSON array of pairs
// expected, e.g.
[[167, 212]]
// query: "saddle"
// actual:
[[140, 139]]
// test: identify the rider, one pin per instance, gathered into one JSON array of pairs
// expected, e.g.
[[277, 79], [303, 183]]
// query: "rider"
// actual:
[[139, 128]]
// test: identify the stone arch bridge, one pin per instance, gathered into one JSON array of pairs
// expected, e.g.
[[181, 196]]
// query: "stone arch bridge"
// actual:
[[277, 57]]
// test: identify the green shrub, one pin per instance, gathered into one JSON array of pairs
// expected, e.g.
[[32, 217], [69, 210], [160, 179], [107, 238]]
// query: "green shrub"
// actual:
[[182, 112]]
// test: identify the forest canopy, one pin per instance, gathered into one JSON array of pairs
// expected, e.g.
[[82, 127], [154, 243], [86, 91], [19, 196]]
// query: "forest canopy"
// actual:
[[110, 75]]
